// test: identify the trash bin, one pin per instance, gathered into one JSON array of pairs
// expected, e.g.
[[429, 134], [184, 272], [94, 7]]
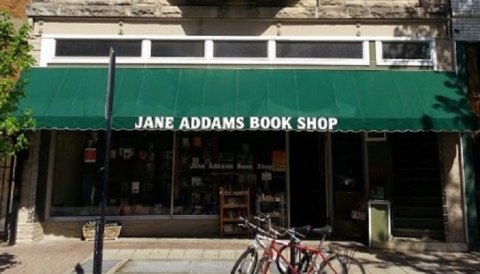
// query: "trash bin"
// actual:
[[379, 222]]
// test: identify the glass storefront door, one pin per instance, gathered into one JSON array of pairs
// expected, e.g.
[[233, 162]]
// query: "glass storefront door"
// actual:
[[348, 182]]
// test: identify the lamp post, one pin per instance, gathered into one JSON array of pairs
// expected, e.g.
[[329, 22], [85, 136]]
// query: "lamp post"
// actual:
[[100, 224]]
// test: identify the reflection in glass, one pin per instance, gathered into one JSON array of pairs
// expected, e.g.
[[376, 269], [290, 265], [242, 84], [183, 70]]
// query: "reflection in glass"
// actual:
[[178, 49], [140, 173], [240, 49], [313, 49], [406, 50], [98, 48], [232, 161]]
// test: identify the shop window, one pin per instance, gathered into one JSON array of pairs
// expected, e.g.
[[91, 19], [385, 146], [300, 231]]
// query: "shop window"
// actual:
[[231, 161], [97, 48], [178, 48], [141, 170], [240, 49], [140, 173], [319, 49]]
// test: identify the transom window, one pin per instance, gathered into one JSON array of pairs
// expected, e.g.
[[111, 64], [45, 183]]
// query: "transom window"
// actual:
[[240, 49], [406, 50], [231, 50], [402, 53], [319, 49], [98, 48], [177, 48]]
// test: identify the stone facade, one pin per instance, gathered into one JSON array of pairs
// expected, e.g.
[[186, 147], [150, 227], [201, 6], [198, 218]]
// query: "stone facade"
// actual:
[[283, 18], [466, 20], [453, 199], [293, 9], [28, 225]]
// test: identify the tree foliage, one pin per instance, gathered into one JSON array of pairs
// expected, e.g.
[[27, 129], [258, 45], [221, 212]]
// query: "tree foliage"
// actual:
[[15, 59]]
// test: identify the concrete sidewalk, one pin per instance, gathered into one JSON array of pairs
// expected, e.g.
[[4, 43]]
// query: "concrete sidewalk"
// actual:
[[199, 256]]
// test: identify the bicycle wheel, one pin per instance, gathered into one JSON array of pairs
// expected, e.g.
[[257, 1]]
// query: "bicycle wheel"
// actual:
[[353, 265], [302, 260], [263, 266], [246, 263], [333, 265]]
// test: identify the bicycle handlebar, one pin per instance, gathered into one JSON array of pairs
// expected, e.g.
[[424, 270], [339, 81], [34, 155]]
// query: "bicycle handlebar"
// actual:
[[295, 234], [245, 223]]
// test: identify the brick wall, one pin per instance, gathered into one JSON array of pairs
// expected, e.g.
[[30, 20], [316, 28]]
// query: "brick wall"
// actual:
[[466, 20]]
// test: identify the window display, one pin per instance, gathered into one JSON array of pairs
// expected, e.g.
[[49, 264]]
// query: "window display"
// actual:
[[142, 165], [140, 173], [233, 161]]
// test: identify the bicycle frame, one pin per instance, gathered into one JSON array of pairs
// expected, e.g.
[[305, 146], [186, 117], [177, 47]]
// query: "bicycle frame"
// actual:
[[315, 254], [271, 252], [273, 248], [274, 252]]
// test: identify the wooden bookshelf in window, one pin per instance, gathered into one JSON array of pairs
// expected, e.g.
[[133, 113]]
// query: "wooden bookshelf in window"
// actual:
[[233, 204]]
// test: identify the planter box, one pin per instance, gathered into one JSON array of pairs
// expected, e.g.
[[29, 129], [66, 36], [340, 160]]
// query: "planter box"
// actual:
[[110, 233]]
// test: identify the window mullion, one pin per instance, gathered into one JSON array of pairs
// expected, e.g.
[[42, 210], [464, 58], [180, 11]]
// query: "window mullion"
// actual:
[[209, 50], [272, 50], [146, 49]]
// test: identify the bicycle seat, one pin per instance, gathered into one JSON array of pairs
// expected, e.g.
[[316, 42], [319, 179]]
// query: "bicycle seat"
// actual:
[[304, 230], [326, 230]]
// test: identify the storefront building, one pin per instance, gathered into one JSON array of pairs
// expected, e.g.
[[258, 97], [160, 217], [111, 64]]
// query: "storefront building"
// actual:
[[313, 109], [466, 20]]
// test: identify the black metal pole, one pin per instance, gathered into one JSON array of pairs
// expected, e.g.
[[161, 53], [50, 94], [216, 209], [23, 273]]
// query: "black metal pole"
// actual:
[[100, 224]]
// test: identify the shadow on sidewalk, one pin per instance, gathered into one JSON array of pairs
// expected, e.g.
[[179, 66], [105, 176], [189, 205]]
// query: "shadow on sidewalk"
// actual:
[[79, 269], [7, 261], [424, 262]]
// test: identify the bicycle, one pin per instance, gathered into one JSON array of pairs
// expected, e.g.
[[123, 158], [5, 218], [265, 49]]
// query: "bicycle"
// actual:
[[307, 256], [335, 255], [264, 239], [346, 255], [274, 250], [247, 261]]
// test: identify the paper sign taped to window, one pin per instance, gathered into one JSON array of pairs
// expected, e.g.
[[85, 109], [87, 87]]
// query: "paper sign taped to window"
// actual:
[[90, 155], [135, 187], [266, 176], [359, 215]]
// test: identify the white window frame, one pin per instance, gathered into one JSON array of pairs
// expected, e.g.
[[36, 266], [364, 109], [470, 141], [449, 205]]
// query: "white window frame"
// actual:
[[207, 47], [47, 56], [240, 59], [432, 62], [364, 61]]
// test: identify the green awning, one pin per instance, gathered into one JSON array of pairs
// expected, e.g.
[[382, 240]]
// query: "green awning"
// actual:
[[360, 100]]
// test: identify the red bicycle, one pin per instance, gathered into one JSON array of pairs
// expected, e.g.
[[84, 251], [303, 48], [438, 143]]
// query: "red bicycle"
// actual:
[[295, 258]]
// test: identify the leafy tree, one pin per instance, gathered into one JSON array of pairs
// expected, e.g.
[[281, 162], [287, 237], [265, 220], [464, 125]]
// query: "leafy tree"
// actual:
[[15, 58]]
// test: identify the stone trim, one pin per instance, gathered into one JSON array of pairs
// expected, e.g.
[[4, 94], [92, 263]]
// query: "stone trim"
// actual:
[[302, 9]]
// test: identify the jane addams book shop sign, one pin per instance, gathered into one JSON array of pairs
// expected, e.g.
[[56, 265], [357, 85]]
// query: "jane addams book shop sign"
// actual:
[[236, 123]]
